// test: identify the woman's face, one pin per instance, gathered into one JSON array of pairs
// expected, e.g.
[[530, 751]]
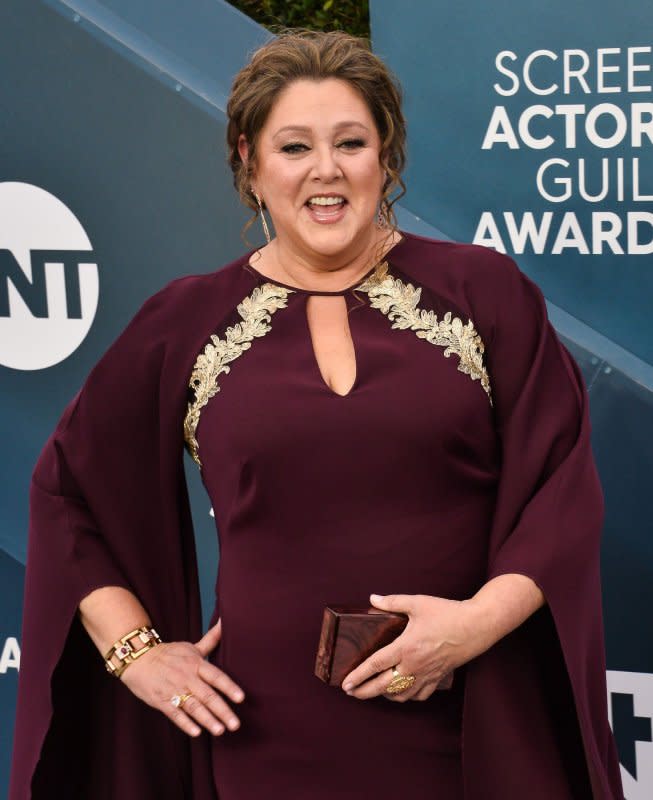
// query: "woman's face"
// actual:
[[317, 168]]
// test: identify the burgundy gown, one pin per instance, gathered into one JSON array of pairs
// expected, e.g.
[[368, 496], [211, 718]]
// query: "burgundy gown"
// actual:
[[320, 499], [462, 452]]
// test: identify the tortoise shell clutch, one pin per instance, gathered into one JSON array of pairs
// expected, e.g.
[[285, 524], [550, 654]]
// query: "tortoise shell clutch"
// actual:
[[351, 635]]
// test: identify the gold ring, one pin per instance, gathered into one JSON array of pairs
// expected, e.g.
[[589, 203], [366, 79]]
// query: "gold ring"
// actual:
[[178, 700], [399, 683]]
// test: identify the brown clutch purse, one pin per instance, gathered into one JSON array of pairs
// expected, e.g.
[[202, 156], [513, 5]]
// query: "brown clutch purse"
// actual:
[[350, 635]]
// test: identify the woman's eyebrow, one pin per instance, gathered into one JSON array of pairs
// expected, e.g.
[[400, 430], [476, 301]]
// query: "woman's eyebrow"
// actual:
[[306, 129]]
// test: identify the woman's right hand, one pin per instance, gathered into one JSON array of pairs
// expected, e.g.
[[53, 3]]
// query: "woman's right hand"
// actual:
[[177, 668]]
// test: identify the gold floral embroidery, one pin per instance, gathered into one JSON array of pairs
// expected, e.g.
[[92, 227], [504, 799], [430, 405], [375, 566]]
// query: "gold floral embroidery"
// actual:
[[398, 301], [255, 310]]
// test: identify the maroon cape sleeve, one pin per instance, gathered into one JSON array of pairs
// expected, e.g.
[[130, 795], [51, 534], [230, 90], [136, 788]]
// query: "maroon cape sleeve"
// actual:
[[535, 709], [109, 506]]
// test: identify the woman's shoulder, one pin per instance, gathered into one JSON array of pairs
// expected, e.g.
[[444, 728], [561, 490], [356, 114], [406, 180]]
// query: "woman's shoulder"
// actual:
[[484, 284], [190, 293], [180, 315], [439, 261], [190, 286]]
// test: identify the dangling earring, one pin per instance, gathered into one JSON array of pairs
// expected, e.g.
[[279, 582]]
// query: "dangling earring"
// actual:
[[381, 217], [266, 230]]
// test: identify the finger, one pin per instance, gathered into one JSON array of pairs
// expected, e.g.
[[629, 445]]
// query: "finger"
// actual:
[[197, 710], [181, 720], [210, 709], [220, 680], [382, 659], [400, 697], [210, 639], [212, 635], [425, 692], [378, 686], [403, 603], [446, 682]]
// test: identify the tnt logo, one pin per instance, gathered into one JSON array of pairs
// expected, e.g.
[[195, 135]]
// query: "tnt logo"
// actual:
[[49, 282], [630, 708]]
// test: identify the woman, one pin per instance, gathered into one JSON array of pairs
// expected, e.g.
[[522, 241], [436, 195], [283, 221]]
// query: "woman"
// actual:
[[372, 412]]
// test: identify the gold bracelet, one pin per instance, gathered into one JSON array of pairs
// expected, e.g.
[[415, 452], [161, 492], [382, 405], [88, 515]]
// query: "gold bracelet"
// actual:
[[125, 651]]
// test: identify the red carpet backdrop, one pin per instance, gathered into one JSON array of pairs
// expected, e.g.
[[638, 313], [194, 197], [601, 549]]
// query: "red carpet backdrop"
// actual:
[[531, 131]]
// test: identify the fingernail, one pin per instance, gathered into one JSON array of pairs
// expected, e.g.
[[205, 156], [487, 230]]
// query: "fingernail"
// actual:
[[233, 723], [217, 729], [238, 696], [347, 685], [374, 597], [195, 731]]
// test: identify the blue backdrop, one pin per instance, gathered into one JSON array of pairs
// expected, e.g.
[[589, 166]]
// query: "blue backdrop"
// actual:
[[531, 131], [113, 181]]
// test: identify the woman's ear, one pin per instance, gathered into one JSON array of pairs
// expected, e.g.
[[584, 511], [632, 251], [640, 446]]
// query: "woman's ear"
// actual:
[[243, 148]]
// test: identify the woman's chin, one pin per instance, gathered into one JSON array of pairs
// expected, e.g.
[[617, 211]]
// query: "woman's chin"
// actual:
[[336, 238], [329, 246]]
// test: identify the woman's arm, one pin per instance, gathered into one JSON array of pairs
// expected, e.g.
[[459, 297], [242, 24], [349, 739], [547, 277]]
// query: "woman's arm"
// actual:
[[109, 613], [500, 606], [170, 668]]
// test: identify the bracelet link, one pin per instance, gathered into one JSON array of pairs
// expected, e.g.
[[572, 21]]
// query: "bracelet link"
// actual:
[[125, 651]]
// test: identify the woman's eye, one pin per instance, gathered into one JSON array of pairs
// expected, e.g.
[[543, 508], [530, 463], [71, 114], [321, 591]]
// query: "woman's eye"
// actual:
[[352, 144], [293, 147]]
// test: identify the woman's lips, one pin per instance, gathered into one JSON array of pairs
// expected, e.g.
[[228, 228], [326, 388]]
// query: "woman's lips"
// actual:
[[326, 215]]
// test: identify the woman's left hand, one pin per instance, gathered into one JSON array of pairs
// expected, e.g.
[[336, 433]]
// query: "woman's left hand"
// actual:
[[440, 635]]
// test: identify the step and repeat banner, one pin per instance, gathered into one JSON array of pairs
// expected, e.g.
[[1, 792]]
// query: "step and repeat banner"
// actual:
[[531, 132], [113, 181]]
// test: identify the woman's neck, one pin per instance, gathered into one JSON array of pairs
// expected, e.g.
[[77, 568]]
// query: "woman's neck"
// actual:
[[278, 260]]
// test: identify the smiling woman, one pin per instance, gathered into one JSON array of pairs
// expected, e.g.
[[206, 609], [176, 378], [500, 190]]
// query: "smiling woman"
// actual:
[[371, 411], [305, 130], [321, 183]]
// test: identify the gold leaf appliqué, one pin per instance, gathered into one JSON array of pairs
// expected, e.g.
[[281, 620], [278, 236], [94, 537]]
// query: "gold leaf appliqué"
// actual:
[[255, 311], [398, 301]]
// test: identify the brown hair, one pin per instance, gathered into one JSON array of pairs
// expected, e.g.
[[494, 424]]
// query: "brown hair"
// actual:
[[316, 55]]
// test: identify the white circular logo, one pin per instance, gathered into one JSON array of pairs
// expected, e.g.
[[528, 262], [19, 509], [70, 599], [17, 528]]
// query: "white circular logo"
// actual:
[[49, 282]]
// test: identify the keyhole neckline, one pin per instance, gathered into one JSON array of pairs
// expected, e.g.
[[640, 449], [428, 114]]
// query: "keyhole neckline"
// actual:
[[302, 290]]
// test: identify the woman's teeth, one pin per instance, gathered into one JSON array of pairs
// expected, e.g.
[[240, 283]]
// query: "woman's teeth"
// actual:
[[326, 201]]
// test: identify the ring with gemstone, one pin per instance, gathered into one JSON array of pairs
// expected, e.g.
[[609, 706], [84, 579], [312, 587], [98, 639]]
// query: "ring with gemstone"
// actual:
[[178, 700]]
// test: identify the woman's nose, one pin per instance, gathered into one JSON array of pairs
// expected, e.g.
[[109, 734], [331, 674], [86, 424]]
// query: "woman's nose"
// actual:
[[326, 165]]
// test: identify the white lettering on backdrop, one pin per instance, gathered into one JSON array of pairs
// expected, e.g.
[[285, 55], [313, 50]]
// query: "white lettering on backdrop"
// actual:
[[563, 127]]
